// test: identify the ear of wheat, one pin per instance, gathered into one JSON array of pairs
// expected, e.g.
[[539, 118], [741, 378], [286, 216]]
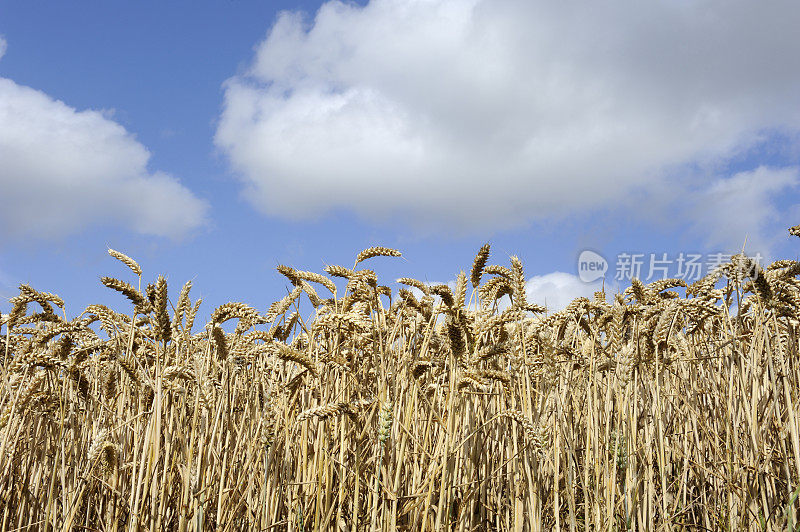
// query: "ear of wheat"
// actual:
[[377, 251], [127, 261], [478, 264]]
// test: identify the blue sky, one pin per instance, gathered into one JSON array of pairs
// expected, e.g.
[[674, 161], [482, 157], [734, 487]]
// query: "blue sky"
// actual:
[[214, 140]]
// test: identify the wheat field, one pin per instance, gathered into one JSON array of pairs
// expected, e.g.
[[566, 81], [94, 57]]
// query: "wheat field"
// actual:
[[349, 405]]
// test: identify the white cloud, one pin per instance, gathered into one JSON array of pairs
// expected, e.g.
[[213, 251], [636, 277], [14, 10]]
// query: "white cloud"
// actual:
[[64, 169], [473, 113], [3, 46], [556, 290], [733, 209]]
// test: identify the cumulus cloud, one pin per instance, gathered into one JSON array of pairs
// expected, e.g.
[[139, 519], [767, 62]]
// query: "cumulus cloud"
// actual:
[[732, 210], [556, 290], [470, 112], [64, 169]]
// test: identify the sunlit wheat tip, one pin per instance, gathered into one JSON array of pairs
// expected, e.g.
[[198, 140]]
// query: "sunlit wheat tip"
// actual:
[[129, 262], [377, 251], [478, 265]]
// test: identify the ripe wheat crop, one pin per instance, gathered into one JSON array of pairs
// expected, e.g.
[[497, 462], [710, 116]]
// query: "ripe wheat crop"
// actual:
[[665, 407]]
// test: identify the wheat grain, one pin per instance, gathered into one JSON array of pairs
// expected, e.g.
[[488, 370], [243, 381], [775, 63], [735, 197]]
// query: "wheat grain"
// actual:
[[326, 411], [316, 278], [280, 307], [478, 265], [220, 342], [339, 271], [286, 352], [43, 298], [377, 251], [444, 292], [385, 419], [419, 285], [127, 261], [136, 297], [163, 330]]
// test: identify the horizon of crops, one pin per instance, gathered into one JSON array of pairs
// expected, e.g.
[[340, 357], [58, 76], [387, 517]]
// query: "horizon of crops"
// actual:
[[350, 406]]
